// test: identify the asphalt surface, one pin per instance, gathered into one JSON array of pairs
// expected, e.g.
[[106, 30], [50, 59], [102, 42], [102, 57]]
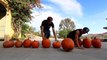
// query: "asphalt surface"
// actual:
[[53, 54]]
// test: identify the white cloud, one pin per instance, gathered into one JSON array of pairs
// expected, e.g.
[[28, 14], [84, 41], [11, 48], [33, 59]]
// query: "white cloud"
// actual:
[[70, 6], [36, 22], [40, 15], [46, 7]]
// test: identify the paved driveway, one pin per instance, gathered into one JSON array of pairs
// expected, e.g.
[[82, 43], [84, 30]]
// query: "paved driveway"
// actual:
[[53, 54]]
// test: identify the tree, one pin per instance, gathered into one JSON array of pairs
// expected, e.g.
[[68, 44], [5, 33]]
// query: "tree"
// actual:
[[21, 13], [25, 29], [63, 33], [67, 24], [65, 27]]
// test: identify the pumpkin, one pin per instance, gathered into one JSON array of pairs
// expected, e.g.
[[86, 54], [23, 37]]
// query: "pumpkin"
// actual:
[[27, 43], [96, 43], [8, 44], [56, 44], [46, 43], [67, 44], [86, 42], [35, 44], [18, 43]]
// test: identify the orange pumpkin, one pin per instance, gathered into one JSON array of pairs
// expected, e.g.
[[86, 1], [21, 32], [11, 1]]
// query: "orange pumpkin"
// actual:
[[18, 44], [96, 42], [56, 44], [8, 44], [27, 43], [67, 44], [35, 44], [86, 42], [46, 43]]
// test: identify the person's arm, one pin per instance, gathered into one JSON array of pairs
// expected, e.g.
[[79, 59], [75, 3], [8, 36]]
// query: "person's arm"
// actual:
[[54, 34], [76, 39], [42, 33]]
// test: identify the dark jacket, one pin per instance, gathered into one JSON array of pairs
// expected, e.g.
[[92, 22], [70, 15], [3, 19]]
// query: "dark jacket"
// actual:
[[46, 25], [73, 33]]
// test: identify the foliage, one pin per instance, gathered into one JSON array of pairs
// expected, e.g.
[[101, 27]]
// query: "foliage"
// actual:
[[105, 37], [63, 33], [65, 27], [37, 33], [25, 29], [66, 24], [21, 13]]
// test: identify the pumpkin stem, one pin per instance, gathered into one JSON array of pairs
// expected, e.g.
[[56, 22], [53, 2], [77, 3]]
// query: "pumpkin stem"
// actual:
[[34, 40]]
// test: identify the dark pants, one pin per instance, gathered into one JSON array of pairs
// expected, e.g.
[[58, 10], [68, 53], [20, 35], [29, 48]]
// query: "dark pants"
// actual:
[[47, 33]]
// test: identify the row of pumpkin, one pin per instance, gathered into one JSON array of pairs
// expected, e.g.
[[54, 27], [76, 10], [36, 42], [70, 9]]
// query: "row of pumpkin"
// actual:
[[27, 43], [67, 43]]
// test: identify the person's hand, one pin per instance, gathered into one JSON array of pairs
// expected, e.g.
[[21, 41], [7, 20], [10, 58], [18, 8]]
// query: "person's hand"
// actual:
[[56, 39], [43, 38]]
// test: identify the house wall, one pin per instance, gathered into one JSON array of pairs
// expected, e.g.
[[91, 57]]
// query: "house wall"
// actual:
[[6, 30]]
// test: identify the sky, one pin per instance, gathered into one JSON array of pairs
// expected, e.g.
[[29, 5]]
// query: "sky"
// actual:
[[84, 13]]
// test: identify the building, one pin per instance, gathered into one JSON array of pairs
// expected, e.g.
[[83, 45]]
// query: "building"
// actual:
[[6, 30], [105, 27]]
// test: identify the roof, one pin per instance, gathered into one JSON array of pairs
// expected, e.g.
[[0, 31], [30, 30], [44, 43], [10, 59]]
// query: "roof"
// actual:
[[104, 27]]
